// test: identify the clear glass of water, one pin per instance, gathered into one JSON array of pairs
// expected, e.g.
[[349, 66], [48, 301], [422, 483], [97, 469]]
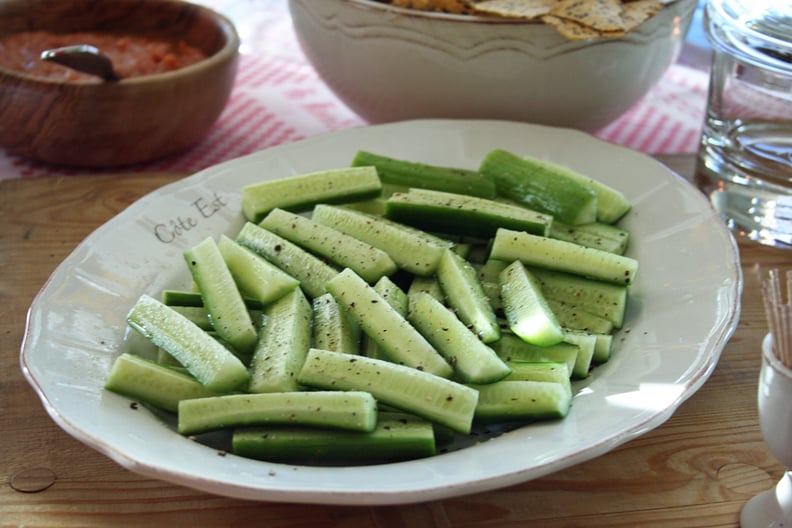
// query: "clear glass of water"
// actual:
[[745, 157]]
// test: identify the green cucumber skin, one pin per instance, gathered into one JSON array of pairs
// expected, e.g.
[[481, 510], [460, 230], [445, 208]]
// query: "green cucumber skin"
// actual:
[[526, 308], [463, 292], [196, 314], [432, 397], [413, 250], [350, 410], [612, 204], [413, 174], [343, 250], [397, 436], [255, 276], [283, 343], [559, 255], [223, 301], [213, 365], [522, 400], [389, 329], [302, 192], [473, 361], [333, 329], [540, 189], [148, 382], [193, 298], [312, 272], [456, 214]]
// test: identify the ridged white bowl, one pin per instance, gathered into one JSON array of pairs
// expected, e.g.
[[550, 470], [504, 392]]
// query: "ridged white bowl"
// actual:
[[391, 64]]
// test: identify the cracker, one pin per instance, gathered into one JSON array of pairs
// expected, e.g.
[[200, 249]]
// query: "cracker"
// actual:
[[441, 6], [524, 9], [570, 29], [600, 15], [637, 12]]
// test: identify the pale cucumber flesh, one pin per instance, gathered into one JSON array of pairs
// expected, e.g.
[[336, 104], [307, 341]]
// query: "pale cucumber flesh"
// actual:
[[393, 334], [213, 365]]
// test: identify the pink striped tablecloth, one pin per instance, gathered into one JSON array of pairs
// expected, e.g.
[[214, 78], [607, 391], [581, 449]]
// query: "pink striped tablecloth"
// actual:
[[278, 97]]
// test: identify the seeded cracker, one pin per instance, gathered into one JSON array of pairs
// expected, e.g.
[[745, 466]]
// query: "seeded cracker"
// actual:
[[639, 11], [599, 15], [524, 9], [570, 29], [441, 6]]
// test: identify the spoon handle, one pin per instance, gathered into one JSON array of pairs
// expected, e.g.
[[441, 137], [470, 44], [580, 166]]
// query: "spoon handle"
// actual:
[[83, 58]]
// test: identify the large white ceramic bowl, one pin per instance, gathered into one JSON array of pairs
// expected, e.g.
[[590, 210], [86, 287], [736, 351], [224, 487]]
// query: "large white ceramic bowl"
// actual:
[[389, 64]]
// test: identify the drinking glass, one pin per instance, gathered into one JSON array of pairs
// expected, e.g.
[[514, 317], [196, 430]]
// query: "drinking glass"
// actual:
[[745, 155]]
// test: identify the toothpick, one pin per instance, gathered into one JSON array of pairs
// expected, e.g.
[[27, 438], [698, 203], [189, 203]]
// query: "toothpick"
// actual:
[[779, 314]]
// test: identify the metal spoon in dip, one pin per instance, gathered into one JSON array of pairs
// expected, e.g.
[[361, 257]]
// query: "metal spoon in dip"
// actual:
[[83, 58]]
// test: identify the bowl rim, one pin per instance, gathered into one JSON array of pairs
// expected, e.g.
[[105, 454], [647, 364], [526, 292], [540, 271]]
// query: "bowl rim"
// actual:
[[406, 12], [227, 53]]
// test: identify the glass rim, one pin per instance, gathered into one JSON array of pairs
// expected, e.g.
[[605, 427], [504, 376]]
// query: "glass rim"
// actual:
[[731, 26]]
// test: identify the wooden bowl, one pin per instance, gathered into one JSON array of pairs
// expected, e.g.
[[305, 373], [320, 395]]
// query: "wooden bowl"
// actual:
[[109, 124]]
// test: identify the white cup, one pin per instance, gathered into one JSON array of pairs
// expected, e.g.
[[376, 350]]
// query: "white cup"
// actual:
[[773, 508]]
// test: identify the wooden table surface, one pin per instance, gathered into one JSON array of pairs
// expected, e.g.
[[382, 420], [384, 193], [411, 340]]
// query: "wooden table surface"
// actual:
[[696, 470]]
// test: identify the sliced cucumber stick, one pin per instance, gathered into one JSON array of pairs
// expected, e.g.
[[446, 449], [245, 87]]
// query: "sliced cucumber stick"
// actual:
[[560, 255], [429, 396], [522, 400], [473, 361], [392, 333], [412, 174], [312, 272], [586, 344], [525, 307], [598, 235], [353, 410], [212, 364], [412, 249], [540, 188], [511, 348], [555, 371], [397, 436], [398, 300], [256, 277], [459, 214], [333, 329], [343, 250], [143, 380], [301, 192], [463, 292], [223, 301], [574, 317], [283, 343], [611, 203], [604, 299]]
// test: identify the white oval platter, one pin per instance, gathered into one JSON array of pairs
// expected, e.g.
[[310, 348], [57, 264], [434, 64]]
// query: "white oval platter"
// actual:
[[684, 306]]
